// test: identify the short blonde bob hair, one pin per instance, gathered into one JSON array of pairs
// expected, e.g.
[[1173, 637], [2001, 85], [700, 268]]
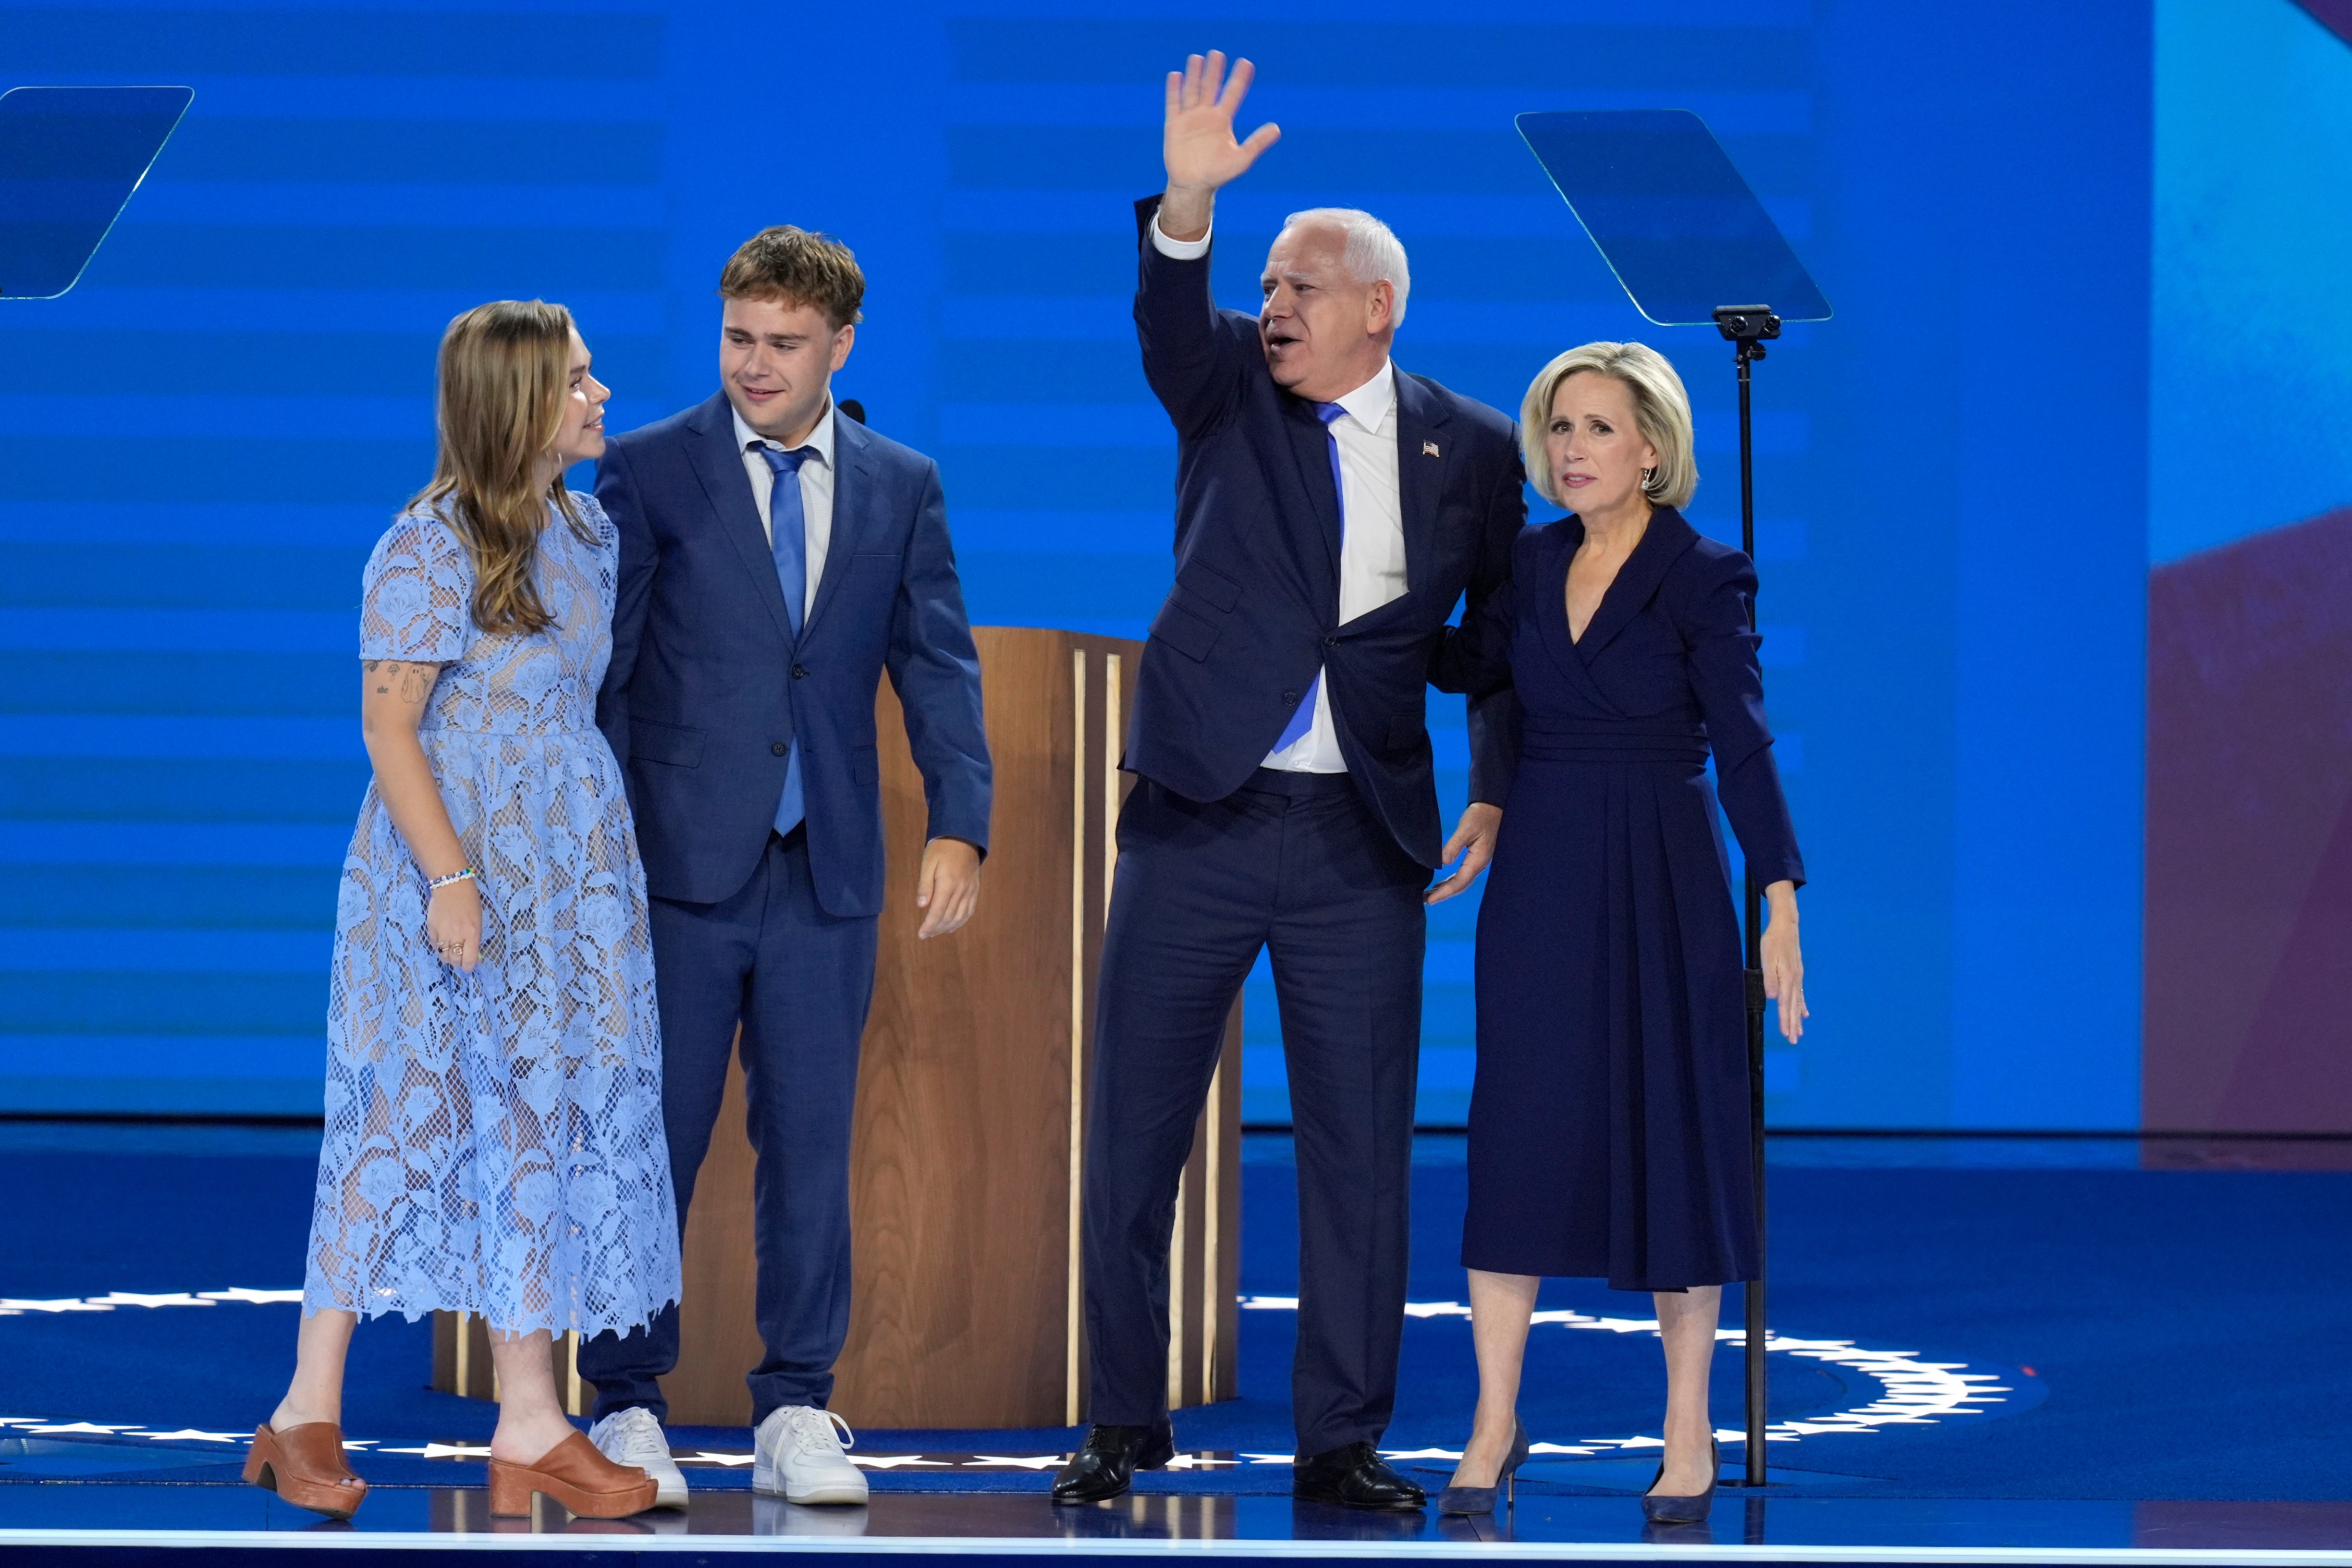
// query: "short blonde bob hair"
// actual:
[[1661, 412]]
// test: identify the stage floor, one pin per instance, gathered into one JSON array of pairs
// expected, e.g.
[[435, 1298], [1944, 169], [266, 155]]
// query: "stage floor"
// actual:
[[67, 1523], [1995, 1352]]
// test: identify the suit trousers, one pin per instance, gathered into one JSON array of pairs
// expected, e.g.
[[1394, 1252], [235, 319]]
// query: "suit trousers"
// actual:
[[800, 981], [1296, 864]]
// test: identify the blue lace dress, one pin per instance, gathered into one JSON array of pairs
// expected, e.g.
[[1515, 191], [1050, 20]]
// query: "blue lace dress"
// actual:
[[494, 1141]]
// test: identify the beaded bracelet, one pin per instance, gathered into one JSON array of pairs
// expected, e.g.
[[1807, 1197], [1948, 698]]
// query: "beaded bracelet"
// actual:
[[460, 875]]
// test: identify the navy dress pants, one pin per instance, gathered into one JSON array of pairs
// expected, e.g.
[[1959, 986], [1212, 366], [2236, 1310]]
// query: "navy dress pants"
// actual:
[[799, 980], [1296, 864]]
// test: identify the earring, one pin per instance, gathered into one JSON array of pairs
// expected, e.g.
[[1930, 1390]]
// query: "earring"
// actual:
[[1649, 478]]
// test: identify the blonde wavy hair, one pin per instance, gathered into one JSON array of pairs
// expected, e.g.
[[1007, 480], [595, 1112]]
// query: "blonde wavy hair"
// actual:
[[1661, 412], [504, 373]]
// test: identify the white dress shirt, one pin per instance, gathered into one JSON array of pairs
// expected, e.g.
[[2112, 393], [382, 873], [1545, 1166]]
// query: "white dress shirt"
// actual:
[[816, 492], [1371, 545], [1371, 538]]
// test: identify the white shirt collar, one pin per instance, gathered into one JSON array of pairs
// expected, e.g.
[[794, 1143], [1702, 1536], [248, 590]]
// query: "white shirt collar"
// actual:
[[820, 439], [1371, 403]]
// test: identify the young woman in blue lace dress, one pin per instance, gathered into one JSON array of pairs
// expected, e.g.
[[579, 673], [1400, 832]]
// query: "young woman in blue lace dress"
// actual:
[[494, 1131]]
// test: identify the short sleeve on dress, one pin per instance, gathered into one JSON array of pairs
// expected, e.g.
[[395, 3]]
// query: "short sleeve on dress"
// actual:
[[417, 595], [600, 528]]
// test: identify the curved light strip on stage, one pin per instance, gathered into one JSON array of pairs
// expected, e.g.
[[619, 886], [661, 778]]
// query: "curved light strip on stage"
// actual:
[[1916, 1391]]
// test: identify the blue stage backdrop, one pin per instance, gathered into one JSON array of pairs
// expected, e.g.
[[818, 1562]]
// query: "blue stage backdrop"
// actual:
[[2249, 879], [198, 445]]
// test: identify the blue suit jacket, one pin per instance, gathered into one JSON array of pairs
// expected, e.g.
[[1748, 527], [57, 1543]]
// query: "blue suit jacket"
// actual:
[[707, 687], [1255, 606]]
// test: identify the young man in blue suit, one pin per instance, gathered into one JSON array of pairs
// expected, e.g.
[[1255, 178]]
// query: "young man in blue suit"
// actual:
[[776, 559], [1331, 510]]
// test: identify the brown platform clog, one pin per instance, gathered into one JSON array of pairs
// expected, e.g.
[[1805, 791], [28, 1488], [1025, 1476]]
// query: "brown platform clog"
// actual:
[[575, 1475], [305, 1466]]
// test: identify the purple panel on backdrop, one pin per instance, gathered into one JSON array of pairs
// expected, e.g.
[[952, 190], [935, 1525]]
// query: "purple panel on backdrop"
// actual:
[[2249, 904], [2336, 15]]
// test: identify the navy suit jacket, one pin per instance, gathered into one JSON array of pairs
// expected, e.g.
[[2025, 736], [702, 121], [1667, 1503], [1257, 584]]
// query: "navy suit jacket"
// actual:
[[1255, 606], [707, 687]]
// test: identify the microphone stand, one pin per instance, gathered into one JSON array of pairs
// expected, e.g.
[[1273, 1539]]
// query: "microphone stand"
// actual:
[[1747, 327]]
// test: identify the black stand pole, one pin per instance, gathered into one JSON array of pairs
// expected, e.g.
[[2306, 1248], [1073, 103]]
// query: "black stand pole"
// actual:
[[1746, 327]]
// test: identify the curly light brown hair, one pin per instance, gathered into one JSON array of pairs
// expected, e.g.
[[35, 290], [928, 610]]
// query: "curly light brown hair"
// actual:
[[794, 267]]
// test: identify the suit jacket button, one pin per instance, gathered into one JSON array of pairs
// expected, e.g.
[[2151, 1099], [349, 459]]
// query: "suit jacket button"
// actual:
[[799, 670], [1290, 698], [778, 747], [1330, 642]]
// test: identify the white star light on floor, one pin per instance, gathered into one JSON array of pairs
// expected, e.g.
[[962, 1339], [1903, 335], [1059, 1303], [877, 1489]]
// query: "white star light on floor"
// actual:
[[1197, 1462], [445, 1451], [192, 1435], [1020, 1461], [259, 1298], [133, 1298], [64, 1304], [86, 1428], [708, 1458], [897, 1461]]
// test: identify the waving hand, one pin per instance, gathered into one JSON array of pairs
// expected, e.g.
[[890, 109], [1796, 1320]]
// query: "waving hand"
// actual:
[[1198, 142]]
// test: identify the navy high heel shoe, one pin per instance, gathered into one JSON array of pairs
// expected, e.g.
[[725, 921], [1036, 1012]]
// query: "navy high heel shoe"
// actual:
[[1481, 1500], [1683, 1510]]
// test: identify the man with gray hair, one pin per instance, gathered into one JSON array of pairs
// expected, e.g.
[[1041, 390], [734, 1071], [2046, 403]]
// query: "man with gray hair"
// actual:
[[1331, 511]]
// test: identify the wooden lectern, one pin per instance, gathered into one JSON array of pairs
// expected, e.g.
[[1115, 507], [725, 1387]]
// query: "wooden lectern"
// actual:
[[971, 1092]]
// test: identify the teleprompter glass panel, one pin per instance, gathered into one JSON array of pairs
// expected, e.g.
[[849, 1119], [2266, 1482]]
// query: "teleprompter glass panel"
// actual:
[[70, 159], [1671, 215]]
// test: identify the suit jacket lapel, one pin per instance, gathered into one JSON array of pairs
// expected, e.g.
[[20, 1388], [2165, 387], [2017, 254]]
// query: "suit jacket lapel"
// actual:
[[1423, 453], [853, 493], [719, 466], [1636, 584]]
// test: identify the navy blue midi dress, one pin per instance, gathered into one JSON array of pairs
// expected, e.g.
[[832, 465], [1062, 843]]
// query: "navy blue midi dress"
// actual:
[[1609, 1121]]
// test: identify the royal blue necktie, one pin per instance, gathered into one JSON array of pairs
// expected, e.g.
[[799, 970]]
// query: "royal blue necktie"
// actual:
[[788, 542], [1303, 720]]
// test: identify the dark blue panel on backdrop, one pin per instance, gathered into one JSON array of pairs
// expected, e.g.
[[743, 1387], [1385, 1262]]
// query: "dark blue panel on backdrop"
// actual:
[[69, 158], [198, 445]]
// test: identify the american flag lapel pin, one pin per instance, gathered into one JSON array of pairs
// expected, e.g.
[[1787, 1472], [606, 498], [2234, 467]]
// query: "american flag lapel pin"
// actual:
[[1429, 449]]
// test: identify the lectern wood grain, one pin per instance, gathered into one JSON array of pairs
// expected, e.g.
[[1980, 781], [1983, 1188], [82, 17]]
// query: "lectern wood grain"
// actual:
[[961, 1164], [965, 1186]]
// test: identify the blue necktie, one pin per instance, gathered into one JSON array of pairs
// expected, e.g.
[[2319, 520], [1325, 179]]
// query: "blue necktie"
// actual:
[[1303, 719], [788, 542]]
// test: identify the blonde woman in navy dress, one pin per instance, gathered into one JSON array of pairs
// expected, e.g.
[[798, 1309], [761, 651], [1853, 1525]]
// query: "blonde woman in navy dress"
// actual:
[[494, 1132], [1609, 1121]]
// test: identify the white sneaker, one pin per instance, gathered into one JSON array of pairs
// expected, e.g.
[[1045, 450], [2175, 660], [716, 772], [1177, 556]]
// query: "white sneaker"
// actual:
[[633, 1437], [798, 1457]]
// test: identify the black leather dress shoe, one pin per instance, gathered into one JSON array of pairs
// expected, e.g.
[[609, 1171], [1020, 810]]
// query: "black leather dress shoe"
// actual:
[[1106, 1463], [1353, 1477]]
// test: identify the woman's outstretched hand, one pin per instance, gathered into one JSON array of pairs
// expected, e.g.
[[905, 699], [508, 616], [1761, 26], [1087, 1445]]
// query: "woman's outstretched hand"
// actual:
[[1474, 842], [1784, 965]]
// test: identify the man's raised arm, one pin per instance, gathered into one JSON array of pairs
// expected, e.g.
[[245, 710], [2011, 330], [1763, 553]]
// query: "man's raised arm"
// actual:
[[1187, 355], [1198, 142]]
